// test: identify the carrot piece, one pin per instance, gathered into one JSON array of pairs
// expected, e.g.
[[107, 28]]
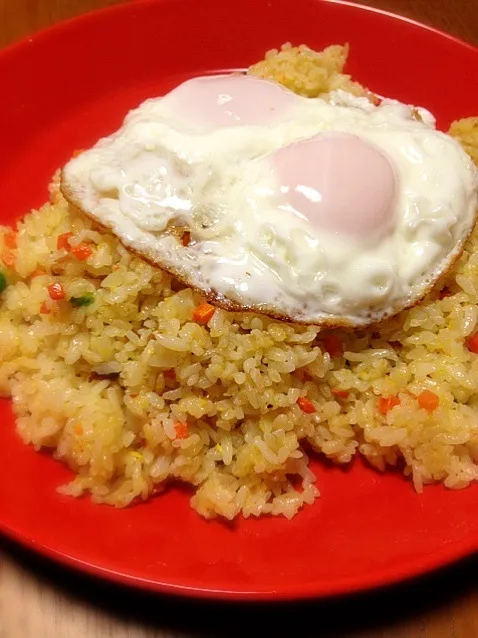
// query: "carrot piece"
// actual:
[[385, 404], [44, 310], [169, 374], [306, 405], [186, 238], [10, 239], [182, 430], [333, 345], [56, 292], [8, 258], [82, 252], [428, 400], [63, 241], [343, 394], [472, 343], [203, 313]]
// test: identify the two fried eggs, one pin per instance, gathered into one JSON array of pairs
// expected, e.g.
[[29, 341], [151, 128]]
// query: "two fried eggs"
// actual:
[[336, 212]]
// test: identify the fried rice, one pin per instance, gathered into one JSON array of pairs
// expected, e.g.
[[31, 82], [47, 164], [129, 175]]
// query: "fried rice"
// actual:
[[112, 368]]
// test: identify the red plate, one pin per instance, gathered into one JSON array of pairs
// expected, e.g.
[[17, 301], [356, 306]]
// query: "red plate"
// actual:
[[64, 88]]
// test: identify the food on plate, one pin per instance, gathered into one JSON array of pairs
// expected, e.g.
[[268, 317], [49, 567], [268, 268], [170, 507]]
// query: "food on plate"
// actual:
[[135, 377], [337, 213]]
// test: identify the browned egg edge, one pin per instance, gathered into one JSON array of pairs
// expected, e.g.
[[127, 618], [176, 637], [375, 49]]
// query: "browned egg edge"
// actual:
[[217, 299]]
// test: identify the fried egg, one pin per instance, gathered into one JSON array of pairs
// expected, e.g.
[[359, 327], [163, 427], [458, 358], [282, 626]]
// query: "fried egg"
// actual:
[[337, 212]]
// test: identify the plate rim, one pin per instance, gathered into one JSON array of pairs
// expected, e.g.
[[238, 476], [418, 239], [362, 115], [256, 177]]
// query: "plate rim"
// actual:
[[46, 32], [378, 578], [351, 585]]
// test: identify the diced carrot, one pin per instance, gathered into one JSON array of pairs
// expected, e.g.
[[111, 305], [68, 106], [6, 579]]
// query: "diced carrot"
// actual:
[[10, 239], [63, 241], [38, 272], [428, 400], [385, 404], [186, 238], [169, 374], [44, 310], [182, 430], [306, 405], [333, 345], [343, 394], [82, 252], [472, 343], [56, 292], [203, 313], [8, 258]]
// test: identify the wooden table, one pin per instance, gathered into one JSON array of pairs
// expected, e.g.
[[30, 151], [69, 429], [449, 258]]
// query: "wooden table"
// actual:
[[41, 600]]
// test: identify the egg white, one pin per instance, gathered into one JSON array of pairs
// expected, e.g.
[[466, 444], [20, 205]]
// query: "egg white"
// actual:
[[159, 175]]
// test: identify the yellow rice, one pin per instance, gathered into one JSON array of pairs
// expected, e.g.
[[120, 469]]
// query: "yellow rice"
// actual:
[[95, 384]]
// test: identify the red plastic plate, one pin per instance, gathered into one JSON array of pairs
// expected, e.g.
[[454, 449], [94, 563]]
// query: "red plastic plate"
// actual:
[[64, 88]]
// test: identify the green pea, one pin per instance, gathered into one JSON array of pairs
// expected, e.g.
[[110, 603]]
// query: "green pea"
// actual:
[[85, 300], [3, 282]]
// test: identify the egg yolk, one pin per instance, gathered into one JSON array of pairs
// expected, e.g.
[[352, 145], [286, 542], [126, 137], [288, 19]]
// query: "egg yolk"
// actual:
[[338, 183], [229, 101]]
